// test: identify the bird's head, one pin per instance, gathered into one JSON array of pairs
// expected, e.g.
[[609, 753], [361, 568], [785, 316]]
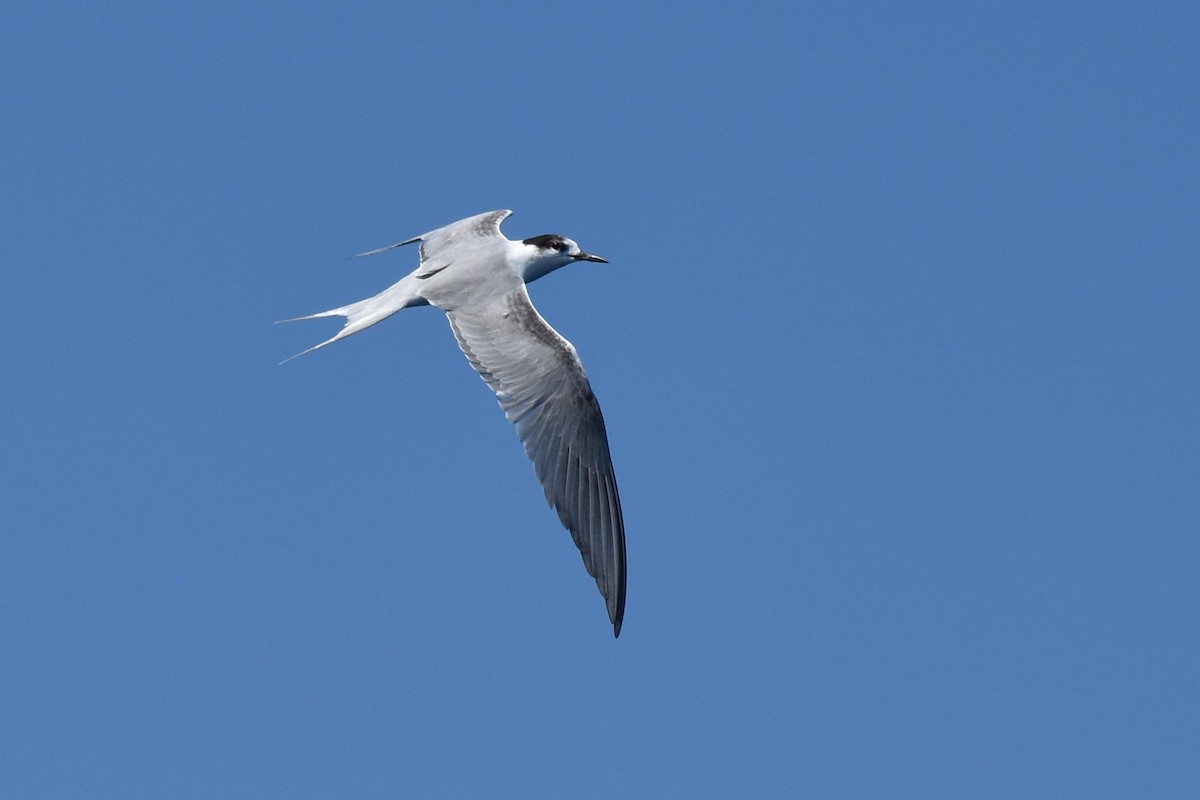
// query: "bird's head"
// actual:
[[550, 251]]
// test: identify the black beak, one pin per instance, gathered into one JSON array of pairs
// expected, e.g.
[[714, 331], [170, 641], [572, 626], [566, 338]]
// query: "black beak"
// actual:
[[589, 257]]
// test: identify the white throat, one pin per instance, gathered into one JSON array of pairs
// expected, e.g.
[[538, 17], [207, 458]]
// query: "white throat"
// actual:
[[533, 262]]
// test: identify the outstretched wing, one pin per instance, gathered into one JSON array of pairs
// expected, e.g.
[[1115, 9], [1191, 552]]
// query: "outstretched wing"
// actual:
[[481, 229], [544, 391]]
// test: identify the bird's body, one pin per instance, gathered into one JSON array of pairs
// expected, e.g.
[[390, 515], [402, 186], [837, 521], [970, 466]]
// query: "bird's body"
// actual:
[[477, 276]]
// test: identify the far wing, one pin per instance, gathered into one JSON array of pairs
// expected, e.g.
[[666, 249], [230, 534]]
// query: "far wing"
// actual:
[[544, 391], [481, 229]]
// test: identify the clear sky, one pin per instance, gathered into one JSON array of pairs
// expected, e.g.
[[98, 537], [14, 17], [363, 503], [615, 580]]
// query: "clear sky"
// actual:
[[898, 352]]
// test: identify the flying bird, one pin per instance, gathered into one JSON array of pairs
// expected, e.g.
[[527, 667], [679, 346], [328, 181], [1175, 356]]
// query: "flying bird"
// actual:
[[470, 270]]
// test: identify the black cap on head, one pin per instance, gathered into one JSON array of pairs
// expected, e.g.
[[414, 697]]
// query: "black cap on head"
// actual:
[[547, 241], [561, 244]]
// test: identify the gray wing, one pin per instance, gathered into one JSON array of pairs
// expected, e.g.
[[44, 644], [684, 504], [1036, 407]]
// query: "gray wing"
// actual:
[[541, 385], [482, 229]]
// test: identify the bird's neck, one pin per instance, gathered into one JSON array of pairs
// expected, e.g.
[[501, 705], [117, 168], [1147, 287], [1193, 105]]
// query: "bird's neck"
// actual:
[[531, 264]]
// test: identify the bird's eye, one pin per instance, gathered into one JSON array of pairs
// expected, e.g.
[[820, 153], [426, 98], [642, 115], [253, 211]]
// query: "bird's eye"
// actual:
[[559, 245]]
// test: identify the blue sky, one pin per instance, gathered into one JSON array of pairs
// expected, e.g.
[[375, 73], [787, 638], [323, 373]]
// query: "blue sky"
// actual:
[[897, 350]]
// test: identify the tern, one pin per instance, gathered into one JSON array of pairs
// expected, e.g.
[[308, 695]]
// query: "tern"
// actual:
[[470, 270]]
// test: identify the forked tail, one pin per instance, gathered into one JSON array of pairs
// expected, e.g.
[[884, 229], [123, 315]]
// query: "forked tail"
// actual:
[[365, 313]]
